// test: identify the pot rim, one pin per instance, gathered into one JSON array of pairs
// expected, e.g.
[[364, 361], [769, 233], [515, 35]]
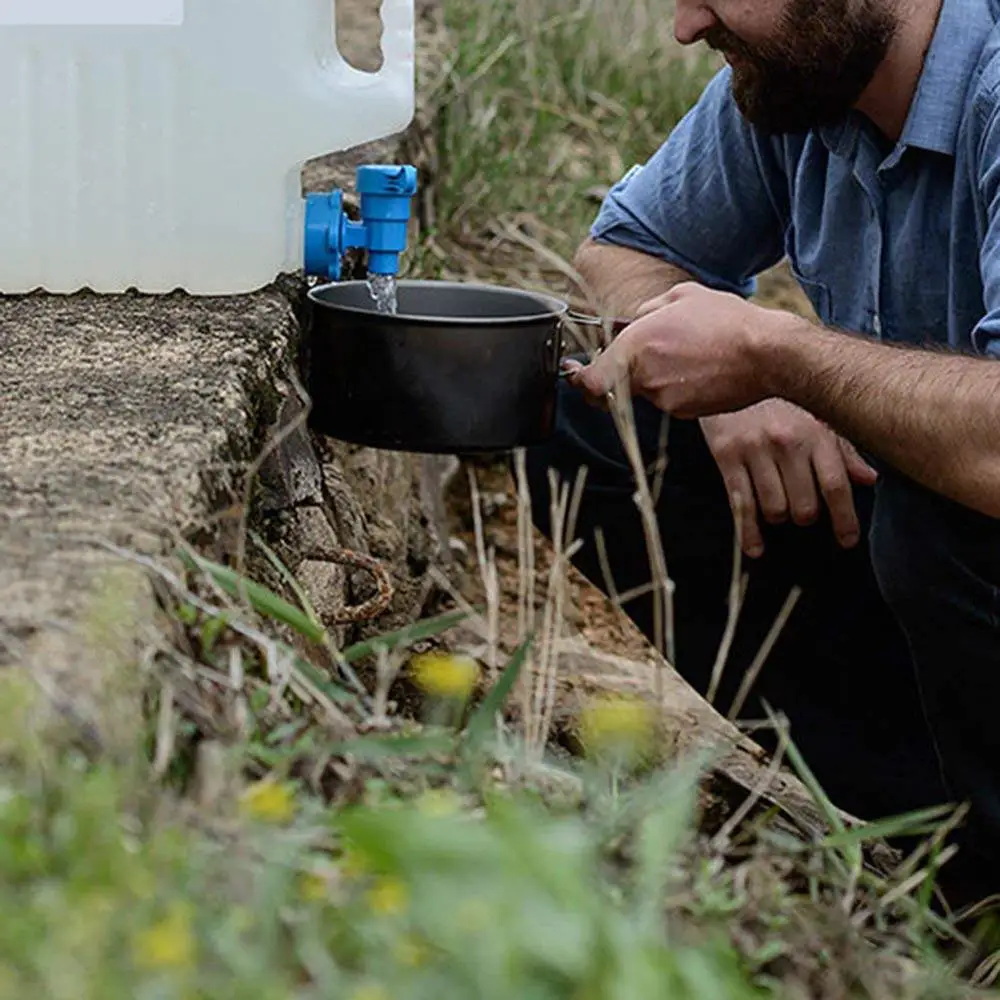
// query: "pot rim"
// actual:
[[557, 308]]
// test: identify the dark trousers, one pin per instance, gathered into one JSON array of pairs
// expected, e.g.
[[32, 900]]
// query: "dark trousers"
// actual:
[[889, 666]]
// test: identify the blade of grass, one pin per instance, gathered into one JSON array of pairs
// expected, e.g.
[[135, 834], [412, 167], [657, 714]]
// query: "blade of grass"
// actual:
[[322, 682], [482, 719], [286, 574], [851, 855], [429, 628], [262, 600], [914, 823]]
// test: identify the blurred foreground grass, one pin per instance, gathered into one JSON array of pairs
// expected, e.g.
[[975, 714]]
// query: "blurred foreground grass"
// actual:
[[272, 894], [326, 850]]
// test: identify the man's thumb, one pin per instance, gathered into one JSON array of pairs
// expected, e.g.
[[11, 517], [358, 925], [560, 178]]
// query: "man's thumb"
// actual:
[[606, 370], [591, 378]]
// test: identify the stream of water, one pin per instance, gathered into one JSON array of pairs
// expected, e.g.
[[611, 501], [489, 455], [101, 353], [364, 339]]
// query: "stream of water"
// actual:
[[383, 292]]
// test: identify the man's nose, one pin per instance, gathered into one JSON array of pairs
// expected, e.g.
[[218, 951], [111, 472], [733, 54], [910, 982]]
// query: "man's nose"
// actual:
[[691, 20]]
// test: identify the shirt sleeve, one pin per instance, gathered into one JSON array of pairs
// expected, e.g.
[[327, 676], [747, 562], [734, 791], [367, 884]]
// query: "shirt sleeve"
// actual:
[[713, 200], [986, 335]]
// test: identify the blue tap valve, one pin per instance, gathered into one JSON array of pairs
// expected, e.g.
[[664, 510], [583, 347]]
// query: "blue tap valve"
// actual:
[[386, 193], [385, 211]]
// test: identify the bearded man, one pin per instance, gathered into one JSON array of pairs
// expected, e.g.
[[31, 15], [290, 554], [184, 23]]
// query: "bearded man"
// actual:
[[859, 140]]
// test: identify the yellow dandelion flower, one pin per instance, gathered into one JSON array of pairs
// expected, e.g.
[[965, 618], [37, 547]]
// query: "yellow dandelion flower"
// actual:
[[617, 726], [370, 991], [445, 675], [410, 952], [313, 887], [167, 944], [388, 897], [438, 803], [268, 801]]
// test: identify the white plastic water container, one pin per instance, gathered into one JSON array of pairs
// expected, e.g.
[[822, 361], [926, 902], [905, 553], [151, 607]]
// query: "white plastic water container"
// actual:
[[158, 144]]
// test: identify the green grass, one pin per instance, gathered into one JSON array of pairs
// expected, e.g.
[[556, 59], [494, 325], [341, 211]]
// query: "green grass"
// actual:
[[542, 101], [100, 901], [425, 859]]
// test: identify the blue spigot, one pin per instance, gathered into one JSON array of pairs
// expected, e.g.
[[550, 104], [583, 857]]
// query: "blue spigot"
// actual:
[[386, 192]]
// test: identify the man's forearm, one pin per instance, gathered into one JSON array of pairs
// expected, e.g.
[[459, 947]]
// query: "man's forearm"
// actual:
[[933, 416], [620, 280]]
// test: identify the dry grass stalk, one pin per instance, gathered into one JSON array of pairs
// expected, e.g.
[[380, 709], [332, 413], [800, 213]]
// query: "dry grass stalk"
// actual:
[[546, 662], [525, 577], [553, 636], [473, 621], [610, 587], [915, 881], [166, 730], [663, 605], [760, 789], [987, 972], [386, 670], [753, 671], [737, 594], [490, 578]]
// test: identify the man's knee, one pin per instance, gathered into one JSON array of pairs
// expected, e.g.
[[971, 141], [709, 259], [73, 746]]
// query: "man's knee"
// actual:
[[899, 561], [934, 559]]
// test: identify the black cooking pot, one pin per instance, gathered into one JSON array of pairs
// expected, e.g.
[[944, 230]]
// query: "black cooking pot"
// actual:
[[460, 368]]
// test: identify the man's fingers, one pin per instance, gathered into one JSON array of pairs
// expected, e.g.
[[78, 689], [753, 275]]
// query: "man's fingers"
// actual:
[[744, 507], [857, 468], [771, 496], [800, 485], [835, 485]]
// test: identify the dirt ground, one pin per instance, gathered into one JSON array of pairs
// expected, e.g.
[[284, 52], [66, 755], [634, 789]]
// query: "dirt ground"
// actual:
[[589, 611]]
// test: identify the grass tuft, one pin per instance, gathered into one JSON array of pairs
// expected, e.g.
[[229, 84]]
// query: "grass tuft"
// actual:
[[539, 106]]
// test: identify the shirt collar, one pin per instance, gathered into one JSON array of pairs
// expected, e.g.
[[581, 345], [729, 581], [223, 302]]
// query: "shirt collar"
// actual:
[[937, 110], [841, 137], [935, 117]]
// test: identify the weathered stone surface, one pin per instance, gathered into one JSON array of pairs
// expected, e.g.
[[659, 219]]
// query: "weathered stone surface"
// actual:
[[354, 526], [122, 420]]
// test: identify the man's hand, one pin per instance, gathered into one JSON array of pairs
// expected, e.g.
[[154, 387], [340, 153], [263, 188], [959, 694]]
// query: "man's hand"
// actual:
[[779, 459], [690, 354]]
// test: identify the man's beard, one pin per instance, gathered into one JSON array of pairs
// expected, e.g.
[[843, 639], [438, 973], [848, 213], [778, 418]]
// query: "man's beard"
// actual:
[[824, 56]]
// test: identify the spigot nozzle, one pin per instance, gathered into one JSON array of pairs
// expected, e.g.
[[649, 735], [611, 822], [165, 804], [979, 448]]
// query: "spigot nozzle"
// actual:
[[386, 193]]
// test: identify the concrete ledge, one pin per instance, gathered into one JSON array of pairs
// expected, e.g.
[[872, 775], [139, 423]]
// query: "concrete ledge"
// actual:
[[123, 419]]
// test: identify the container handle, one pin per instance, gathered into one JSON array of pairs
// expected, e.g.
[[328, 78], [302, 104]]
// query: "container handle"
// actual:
[[573, 322], [617, 324], [394, 85], [380, 104]]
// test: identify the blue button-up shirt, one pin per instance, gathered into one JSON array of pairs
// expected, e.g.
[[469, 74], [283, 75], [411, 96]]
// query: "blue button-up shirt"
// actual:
[[898, 241]]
